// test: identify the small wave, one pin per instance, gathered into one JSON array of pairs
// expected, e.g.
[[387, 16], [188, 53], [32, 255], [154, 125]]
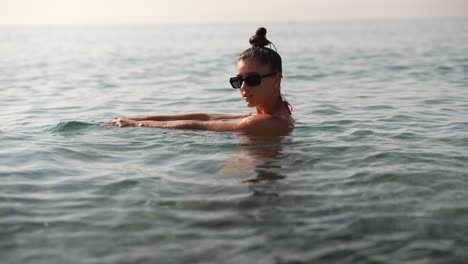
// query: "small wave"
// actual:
[[398, 67], [363, 132], [444, 69], [406, 136], [379, 107], [71, 126], [399, 118], [326, 112]]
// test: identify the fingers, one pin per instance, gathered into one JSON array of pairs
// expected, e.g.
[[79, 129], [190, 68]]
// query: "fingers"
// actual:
[[121, 122], [124, 122], [115, 122]]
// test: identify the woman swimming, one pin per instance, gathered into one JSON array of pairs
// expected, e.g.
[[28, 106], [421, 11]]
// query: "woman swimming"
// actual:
[[259, 73]]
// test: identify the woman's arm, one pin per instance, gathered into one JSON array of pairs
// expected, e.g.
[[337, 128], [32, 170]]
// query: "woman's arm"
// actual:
[[195, 116], [255, 124]]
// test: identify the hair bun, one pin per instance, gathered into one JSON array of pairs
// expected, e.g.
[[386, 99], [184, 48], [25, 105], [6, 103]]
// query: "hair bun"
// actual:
[[259, 39]]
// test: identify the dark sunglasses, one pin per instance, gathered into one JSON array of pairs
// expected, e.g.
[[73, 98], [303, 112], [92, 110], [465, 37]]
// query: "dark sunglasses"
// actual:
[[252, 79]]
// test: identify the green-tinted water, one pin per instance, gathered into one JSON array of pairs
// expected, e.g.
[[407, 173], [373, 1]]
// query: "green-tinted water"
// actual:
[[374, 172]]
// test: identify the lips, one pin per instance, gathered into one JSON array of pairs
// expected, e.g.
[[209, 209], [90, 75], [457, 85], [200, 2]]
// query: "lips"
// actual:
[[246, 96]]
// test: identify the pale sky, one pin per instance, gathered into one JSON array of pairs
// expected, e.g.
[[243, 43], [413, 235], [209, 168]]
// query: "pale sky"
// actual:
[[66, 12]]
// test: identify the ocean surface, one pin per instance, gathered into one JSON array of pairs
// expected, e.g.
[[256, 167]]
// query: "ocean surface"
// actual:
[[375, 171]]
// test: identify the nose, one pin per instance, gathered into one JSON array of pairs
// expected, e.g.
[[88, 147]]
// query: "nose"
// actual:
[[244, 85]]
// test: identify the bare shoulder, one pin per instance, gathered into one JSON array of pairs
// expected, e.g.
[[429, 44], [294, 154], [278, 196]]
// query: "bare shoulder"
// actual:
[[266, 124]]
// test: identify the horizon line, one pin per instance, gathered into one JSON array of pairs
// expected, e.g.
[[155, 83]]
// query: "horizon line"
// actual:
[[217, 22]]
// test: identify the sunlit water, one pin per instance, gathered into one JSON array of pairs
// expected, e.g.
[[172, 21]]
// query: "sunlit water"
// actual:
[[376, 170]]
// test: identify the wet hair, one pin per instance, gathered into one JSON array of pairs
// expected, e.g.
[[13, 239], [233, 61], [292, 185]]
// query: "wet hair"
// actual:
[[260, 53]]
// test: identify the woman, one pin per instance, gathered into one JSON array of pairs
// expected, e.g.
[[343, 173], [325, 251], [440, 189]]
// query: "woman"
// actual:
[[259, 73]]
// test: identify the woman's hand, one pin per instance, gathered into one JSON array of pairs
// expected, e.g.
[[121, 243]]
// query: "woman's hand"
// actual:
[[122, 122]]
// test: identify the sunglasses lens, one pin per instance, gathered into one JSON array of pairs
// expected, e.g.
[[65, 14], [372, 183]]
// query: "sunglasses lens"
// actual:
[[236, 82], [253, 80]]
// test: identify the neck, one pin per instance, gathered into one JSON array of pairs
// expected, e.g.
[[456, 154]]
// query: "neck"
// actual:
[[272, 108]]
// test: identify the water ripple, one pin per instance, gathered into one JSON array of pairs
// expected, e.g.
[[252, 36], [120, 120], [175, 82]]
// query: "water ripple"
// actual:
[[374, 171]]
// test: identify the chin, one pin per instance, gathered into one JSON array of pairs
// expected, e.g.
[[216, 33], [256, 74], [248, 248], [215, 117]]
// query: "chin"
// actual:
[[250, 104]]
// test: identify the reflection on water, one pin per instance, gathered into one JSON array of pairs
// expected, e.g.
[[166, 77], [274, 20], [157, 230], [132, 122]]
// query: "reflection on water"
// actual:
[[253, 174], [259, 159]]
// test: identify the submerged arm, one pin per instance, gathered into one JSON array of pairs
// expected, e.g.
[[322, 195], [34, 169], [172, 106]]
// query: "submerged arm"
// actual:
[[191, 124], [195, 116], [255, 124]]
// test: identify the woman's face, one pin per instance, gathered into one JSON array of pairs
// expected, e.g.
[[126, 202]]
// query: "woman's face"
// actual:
[[266, 92]]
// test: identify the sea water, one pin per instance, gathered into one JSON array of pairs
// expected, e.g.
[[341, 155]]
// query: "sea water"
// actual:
[[375, 171]]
